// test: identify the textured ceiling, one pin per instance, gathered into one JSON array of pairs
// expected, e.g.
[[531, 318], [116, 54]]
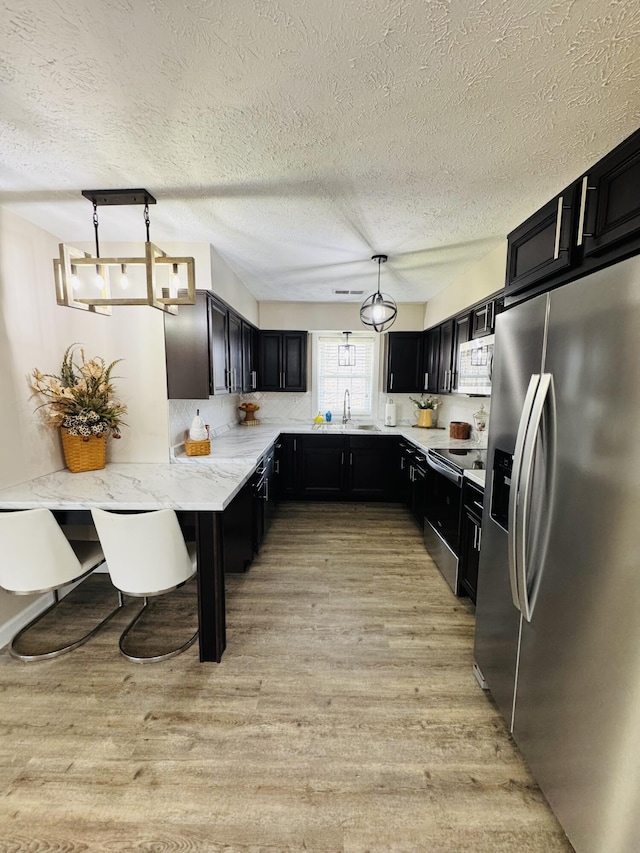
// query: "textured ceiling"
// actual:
[[299, 137]]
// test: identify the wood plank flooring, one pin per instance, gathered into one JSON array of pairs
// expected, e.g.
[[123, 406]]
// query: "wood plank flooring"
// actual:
[[344, 717]]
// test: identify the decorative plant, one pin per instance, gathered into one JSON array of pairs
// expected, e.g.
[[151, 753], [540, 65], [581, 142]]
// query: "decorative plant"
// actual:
[[81, 397], [426, 402]]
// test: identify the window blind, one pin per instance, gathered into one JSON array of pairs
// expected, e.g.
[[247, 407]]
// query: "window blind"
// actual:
[[332, 379]]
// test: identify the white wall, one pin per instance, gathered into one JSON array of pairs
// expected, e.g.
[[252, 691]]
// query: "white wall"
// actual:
[[35, 331], [478, 281], [340, 317]]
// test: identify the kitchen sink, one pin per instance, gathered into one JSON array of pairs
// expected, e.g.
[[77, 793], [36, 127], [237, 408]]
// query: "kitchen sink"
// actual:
[[369, 427]]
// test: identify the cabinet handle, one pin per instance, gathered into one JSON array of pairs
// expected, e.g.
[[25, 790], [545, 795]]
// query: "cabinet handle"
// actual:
[[391, 382], [492, 321], [583, 209], [479, 539], [556, 250], [475, 537], [342, 458], [276, 466], [478, 504], [426, 381], [295, 444], [411, 473], [351, 459], [402, 463], [254, 379]]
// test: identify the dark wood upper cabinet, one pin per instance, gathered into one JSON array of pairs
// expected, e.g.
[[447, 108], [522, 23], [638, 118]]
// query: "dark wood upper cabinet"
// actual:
[[446, 361], [234, 325], [186, 337], [543, 245], [462, 329], [430, 360], [219, 347], [610, 200], [294, 361], [404, 362], [593, 224], [249, 357], [205, 350], [282, 361]]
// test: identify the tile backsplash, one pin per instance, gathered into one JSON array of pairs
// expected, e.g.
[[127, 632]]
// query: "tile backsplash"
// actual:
[[221, 413]]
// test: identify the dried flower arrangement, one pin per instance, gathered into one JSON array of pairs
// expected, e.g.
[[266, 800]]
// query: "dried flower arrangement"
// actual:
[[81, 397]]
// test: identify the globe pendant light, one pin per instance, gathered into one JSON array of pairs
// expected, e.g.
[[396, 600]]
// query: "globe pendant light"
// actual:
[[378, 310], [346, 353]]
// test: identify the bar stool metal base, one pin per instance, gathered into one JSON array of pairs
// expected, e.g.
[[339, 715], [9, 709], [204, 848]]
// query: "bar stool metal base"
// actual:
[[150, 658], [60, 650]]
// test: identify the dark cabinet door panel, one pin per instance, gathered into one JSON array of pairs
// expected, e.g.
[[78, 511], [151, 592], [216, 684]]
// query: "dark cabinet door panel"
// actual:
[[249, 358], [321, 467], [294, 361], [431, 361], [610, 199], [186, 337], [404, 362], [234, 326], [543, 245], [374, 468], [218, 342], [269, 366], [445, 371]]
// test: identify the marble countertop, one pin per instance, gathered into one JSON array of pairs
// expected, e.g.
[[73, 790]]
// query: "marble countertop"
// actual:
[[134, 486], [477, 477], [201, 483], [249, 443]]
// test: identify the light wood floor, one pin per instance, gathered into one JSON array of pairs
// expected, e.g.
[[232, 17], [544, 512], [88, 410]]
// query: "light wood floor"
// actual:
[[344, 717]]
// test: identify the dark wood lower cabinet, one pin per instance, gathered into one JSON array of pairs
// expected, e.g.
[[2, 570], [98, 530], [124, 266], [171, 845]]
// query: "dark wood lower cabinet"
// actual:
[[339, 467], [373, 469], [470, 539], [321, 467]]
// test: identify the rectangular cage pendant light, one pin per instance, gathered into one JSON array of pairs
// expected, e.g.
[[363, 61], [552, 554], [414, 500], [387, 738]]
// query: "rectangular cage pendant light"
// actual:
[[96, 283], [346, 353]]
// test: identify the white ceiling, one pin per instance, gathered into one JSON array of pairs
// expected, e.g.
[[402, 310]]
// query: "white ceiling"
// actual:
[[299, 137]]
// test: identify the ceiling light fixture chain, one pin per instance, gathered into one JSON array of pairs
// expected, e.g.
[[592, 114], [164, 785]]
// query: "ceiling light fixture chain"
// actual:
[[147, 221], [379, 311], [95, 227]]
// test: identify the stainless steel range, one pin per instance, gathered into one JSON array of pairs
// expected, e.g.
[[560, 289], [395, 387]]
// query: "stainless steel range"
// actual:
[[444, 504]]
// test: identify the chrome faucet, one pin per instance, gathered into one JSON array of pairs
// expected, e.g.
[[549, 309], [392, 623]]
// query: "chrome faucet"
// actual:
[[346, 407]]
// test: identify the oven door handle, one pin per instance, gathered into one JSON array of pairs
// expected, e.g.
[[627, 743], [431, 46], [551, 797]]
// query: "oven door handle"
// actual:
[[444, 470]]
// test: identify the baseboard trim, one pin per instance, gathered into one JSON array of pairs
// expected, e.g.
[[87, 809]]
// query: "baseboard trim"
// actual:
[[10, 628]]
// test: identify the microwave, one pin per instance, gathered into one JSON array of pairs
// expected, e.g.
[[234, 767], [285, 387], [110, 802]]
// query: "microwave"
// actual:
[[475, 365]]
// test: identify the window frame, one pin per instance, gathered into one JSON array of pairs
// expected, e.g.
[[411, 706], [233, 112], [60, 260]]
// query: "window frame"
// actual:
[[375, 367]]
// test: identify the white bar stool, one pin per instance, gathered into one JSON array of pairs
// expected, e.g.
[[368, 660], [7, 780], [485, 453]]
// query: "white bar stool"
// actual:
[[146, 556], [37, 557]]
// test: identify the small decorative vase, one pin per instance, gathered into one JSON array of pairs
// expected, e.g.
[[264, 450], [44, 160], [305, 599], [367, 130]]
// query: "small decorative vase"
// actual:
[[83, 452], [425, 418]]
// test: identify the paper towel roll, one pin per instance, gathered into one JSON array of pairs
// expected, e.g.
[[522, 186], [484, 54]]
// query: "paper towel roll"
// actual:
[[390, 414]]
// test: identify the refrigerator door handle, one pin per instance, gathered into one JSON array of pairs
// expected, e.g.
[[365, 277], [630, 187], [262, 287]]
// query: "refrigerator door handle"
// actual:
[[514, 489], [528, 456]]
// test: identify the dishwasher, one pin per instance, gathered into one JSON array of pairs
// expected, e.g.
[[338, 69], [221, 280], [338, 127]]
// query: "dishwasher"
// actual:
[[443, 505]]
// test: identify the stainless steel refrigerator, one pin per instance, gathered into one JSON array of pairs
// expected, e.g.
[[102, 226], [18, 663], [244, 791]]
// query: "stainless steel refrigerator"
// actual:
[[558, 609]]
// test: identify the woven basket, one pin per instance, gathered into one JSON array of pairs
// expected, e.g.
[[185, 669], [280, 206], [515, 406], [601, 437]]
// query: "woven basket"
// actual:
[[459, 429], [83, 452], [197, 448]]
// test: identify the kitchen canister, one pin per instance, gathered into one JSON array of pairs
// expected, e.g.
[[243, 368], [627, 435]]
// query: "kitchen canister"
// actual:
[[390, 413], [459, 429]]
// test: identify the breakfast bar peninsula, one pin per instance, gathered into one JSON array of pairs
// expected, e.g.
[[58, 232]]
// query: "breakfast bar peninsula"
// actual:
[[199, 493]]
